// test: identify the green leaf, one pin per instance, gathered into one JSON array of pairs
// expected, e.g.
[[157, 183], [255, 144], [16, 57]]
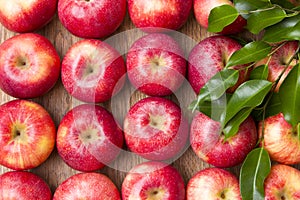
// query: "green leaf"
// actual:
[[261, 73], [233, 125], [257, 21], [283, 3], [244, 6], [294, 33], [279, 32], [254, 171], [221, 17], [249, 94], [216, 87], [273, 107], [251, 52], [289, 93]]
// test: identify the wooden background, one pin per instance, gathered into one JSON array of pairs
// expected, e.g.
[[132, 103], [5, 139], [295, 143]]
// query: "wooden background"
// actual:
[[58, 102]]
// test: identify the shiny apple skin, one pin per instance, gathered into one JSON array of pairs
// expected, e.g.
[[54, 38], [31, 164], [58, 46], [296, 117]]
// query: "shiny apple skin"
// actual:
[[26, 16], [156, 129], [283, 182], [209, 145], [93, 18], [23, 185], [91, 186], [213, 184], [156, 65], [29, 66], [280, 141], [88, 138], [159, 15], [93, 71], [27, 134], [209, 57], [153, 180], [202, 9]]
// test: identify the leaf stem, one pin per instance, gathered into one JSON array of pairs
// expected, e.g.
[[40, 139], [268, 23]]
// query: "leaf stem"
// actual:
[[286, 66]]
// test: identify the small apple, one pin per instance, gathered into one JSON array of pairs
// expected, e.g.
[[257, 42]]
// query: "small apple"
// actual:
[[279, 139], [27, 134], [29, 65], [208, 142], [93, 71], [155, 129], [23, 185], [88, 138], [155, 14], [213, 184], [92, 186], [153, 180], [91, 18], [283, 183], [156, 65], [26, 16], [202, 9], [278, 61], [209, 57]]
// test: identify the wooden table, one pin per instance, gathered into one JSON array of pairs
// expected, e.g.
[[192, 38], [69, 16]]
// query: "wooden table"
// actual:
[[58, 102]]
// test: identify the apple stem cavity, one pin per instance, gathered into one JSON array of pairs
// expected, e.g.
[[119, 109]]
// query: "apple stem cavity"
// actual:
[[156, 194]]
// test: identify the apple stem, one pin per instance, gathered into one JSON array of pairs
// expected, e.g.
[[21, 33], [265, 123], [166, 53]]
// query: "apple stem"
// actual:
[[287, 64]]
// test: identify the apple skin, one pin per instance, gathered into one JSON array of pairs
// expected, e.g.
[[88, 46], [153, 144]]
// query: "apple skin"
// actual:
[[213, 184], [210, 146], [153, 180], [202, 9], [88, 138], [283, 182], [27, 134], [279, 140], [26, 16], [159, 15], [277, 63], [29, 66], [92, 186], [23, 185], [156, 65], [209, 57], [155, 129], [93, 71], [91, 19]]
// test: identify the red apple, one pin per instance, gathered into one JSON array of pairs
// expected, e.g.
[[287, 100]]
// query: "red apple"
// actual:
[[156, 65], [202, 9], [209, 57], [26, 16], [213, 184], [91, 18], [283, 183], [208, 142], [93, 71], [29, 66], [27, 134], [23, 185], [155, 14], [88, 138], [91, 186], [153, 180], [155, 129], [277, 63], [280, 140]]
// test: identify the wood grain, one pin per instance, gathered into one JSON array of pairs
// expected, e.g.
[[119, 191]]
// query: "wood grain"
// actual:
[[58, 102]]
